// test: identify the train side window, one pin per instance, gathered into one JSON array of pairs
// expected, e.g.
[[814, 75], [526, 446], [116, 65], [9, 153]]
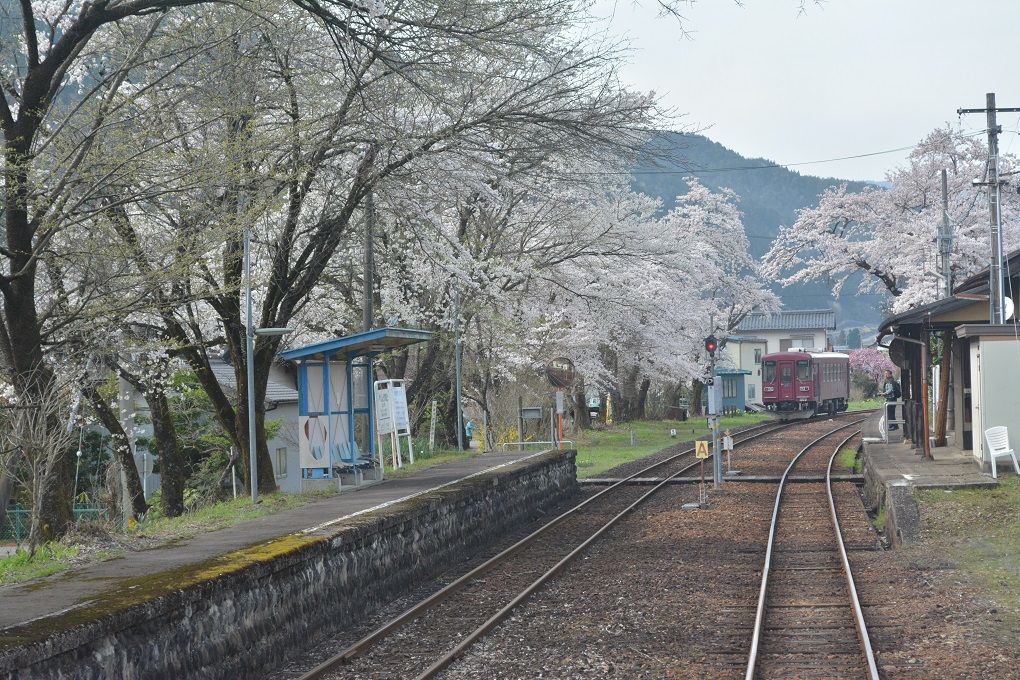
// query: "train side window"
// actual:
[[770, 372], [803, 370]]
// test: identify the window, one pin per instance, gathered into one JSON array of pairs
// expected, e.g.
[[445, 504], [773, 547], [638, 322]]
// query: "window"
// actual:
[[757, 356], [770, 372], [803, 370], [786, 375], [751, 392], [729, 388], [281, 462]]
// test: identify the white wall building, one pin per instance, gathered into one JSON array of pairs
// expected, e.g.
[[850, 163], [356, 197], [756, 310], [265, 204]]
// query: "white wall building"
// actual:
[[787, 330]]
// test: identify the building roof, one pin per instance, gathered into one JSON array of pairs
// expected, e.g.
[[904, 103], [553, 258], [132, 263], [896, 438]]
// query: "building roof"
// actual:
[[790, 320], [731, 371], [275, 392], [979, 282], [941, 314]]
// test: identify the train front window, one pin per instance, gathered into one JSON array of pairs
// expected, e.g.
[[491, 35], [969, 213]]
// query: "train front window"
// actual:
[[787, 374], [803, 370], [770, 372]]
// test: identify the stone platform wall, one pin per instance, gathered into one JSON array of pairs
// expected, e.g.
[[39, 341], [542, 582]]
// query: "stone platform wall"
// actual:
[[245, 613]]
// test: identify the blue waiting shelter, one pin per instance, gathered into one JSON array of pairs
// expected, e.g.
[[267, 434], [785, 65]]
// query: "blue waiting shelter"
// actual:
[[731, 382], [335, 402]]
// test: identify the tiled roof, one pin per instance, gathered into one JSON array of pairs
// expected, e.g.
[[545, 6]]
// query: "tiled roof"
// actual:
[[224, 372], [794, 320]]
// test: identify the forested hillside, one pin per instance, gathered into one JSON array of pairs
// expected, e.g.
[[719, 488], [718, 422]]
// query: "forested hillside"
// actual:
[[769, 197]]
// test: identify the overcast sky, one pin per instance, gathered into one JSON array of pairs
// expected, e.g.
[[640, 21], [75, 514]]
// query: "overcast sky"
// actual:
[[847, 78]]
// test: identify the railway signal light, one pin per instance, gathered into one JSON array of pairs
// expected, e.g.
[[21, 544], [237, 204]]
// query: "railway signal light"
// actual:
[[711, 345]]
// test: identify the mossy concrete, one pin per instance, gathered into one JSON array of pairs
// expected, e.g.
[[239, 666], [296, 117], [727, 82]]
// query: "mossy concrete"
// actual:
[[235, 615]]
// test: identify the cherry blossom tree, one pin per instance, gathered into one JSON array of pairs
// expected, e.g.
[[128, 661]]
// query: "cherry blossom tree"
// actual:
[[890, 234]]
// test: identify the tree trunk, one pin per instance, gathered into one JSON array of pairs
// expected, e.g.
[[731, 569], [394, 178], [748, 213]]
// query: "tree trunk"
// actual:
[[121, 450], [642, 399], [171, 462], [696, 389]]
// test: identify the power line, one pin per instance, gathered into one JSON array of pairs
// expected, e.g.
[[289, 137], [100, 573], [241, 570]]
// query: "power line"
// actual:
[[773, 166]]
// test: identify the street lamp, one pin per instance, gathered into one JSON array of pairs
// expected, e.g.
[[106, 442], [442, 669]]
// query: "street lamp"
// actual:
[[250, 333]]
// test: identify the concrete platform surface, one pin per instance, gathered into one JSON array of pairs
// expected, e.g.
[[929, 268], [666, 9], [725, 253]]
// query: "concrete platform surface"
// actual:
[[894, 470], [897, 462], [79, 587]]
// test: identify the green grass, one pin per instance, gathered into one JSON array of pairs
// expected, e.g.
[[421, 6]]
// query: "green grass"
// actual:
[[49, 559], [865, 405], [980, 529], [219, 515], [603, 449], [848, 460]]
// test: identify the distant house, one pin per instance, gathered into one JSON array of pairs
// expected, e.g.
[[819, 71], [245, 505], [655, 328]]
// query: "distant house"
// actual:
[[281, 402], [747, 352], [788, 330]]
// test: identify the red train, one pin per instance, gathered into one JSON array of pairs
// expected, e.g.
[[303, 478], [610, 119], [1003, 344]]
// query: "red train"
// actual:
[[800, 384]]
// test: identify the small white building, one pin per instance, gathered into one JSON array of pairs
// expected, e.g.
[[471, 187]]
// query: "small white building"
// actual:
[[747, 352]]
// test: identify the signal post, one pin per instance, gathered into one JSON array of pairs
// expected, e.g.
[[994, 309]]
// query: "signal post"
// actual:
[[711, 345]]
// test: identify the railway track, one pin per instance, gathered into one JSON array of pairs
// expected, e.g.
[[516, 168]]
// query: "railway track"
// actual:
[[425, 639], [809, 621]]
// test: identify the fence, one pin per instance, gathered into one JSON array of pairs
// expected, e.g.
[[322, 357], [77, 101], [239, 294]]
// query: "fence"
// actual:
[[18, 522]]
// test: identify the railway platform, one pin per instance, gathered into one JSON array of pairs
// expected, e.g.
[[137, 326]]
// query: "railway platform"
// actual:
[[893, 470], [51, 598]]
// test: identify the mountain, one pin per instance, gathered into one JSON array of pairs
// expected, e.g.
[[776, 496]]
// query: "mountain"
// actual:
[[770, 197]]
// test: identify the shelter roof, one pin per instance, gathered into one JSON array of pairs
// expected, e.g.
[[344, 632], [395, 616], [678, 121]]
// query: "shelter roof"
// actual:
[[979, 282], [360, 344], [744, 338], [731, 371], [789, 320], [943, 314]]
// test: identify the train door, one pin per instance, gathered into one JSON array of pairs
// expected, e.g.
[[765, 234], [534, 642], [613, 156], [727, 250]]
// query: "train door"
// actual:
[[787, 387], [806, 384]]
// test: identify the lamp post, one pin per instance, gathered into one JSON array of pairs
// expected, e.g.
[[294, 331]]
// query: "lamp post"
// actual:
[[250, 333]]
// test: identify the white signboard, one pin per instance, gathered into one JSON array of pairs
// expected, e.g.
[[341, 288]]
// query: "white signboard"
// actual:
[[392, 418], [400, 416], [383, 414]]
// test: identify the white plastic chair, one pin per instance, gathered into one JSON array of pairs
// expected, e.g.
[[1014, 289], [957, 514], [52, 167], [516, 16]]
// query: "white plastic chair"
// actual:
[[997, 439]]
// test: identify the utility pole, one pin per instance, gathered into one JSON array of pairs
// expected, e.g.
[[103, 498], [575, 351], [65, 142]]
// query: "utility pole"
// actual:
[[946, 239], [368, 295], [997, 306]]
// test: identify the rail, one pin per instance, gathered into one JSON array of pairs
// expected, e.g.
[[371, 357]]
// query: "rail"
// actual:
[[360, 647], [855, 605]]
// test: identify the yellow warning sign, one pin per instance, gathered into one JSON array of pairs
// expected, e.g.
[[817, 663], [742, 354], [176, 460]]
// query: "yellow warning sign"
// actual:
[[701, 450]]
